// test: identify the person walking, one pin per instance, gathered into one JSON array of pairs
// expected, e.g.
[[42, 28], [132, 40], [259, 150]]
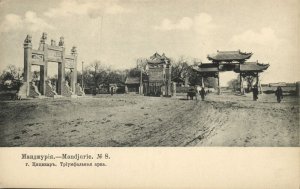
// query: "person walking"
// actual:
[[202, 93], [255, 92], [279, 94], [111, 91]]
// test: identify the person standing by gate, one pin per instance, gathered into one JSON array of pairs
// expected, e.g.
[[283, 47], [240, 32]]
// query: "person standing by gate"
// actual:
[[202, 93], [279, 94], [255, 92]]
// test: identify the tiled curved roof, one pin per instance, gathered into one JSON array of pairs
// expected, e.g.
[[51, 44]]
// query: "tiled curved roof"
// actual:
[[132, 80], [253, 66], [158, 59], [244, 67], [229, 56]]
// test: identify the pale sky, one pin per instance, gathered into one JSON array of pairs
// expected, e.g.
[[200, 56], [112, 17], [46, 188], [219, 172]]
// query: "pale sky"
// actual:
[[134, 29]]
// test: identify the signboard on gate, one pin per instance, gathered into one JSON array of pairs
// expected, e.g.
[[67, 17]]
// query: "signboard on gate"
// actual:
[[156, 74], [54, 55], [69, 63]]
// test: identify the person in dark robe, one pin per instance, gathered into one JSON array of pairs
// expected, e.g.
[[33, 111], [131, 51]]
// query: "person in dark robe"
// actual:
[[202, 93], [279, 94], [255, 92], [111, 91]]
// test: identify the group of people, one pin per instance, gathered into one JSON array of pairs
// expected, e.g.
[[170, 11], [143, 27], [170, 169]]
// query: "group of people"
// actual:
[[278, 93], [193, 93]]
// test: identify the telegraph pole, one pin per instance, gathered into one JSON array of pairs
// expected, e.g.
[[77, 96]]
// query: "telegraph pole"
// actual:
[[82, 76], [139, 63]]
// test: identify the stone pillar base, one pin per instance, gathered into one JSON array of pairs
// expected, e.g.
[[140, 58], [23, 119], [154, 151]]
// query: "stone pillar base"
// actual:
[[79, 91], [33, 90], [50, 91], [22, 93], [66, 90]]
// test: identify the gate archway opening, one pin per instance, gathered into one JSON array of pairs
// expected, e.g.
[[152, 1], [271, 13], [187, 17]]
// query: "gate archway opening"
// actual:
[[226, 78], [53, 75]]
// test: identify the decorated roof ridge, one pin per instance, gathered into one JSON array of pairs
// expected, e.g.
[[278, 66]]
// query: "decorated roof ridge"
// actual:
[[206, 69], [158, 59], [156, 55], [228, 56], [252, 67], [238, 51]]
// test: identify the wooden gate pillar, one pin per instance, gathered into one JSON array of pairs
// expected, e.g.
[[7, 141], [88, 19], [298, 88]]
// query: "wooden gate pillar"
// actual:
[[241, 84], [219, 90], [169, 81], [258, 83]]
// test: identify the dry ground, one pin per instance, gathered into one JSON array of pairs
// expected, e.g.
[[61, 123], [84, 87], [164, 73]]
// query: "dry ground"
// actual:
[[132, 120]]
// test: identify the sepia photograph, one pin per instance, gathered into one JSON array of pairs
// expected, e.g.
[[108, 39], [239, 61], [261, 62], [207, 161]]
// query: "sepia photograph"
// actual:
[[149, 73], [149, 94]]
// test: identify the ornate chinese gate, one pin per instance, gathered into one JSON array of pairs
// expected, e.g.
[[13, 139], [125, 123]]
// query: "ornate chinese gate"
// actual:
[[231, 61], [42, 57], [159, 76]]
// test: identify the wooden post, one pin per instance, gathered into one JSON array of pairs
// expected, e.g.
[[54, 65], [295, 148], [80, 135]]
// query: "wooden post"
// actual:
[[141, 81], [219, 90], [169, 81], [74, 72], [258, 84], [82, 77], [241, 84]]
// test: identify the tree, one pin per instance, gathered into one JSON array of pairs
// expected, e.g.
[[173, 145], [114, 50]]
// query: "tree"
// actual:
[[134, 72], [210, 82], [14, 75], [113, 77], [98, 73], [234, 84], [180, 68], [249, 80], [11, 73]]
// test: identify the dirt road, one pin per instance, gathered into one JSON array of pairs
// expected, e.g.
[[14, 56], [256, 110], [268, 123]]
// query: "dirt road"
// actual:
[[132, 120]]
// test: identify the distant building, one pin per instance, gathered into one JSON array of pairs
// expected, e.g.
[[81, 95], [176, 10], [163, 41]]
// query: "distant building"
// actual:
[[112, 87], [279, 84], [132, 85]]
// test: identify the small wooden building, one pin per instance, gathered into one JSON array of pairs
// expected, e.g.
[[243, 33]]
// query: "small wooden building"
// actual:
[[112, 87], [132, 85]]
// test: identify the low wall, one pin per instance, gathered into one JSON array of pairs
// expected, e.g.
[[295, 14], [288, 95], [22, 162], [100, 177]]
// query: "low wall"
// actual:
[[286, 90]]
